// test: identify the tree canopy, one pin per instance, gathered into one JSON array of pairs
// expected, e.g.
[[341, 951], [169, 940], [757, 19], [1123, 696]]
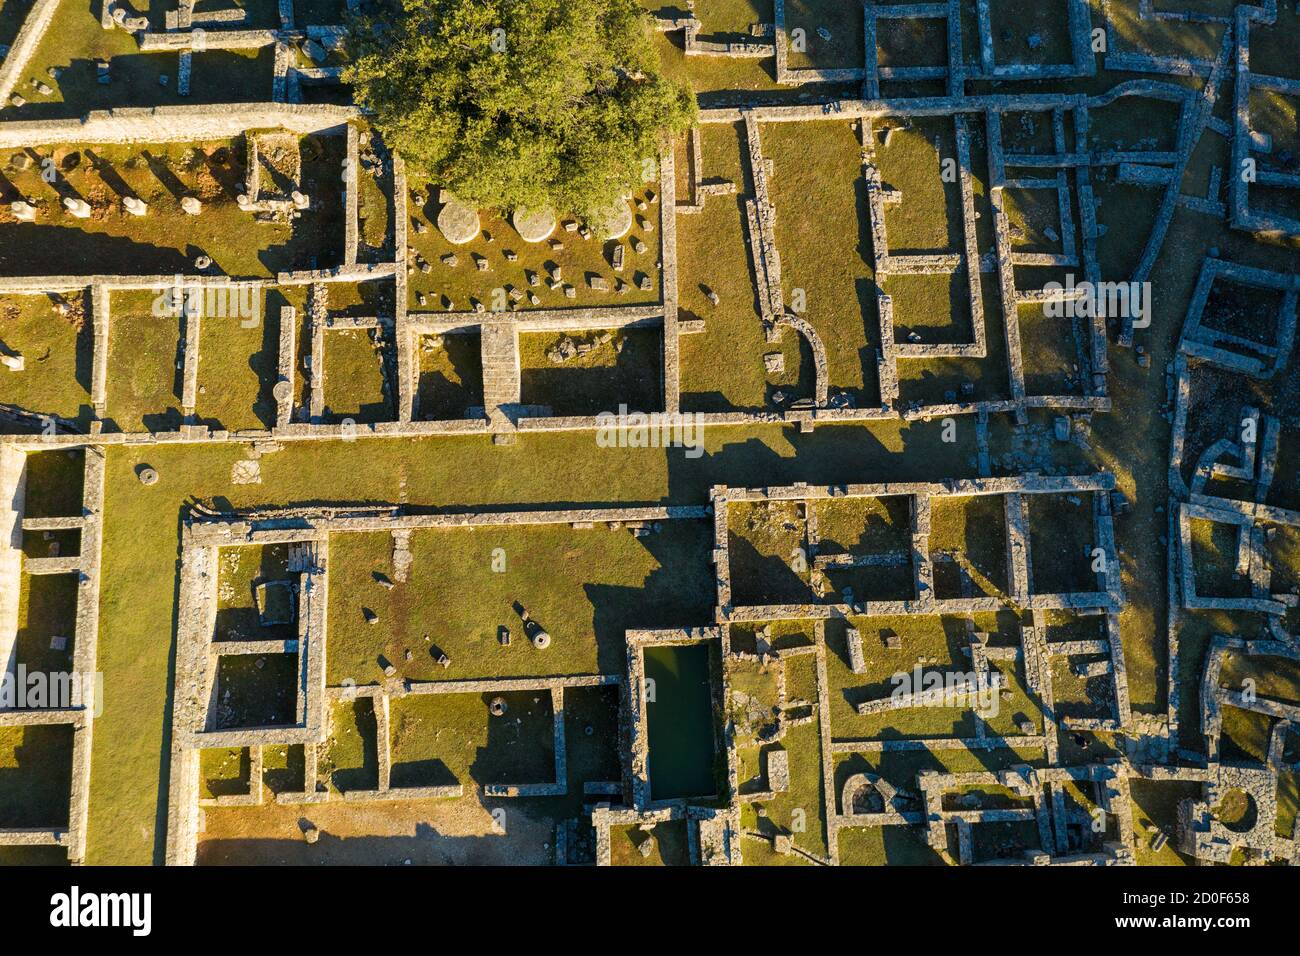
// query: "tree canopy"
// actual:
[[519, 103]]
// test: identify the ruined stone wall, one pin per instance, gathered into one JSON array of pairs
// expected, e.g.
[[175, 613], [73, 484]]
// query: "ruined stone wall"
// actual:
[[163, 124], [24, 45], [13, 487]]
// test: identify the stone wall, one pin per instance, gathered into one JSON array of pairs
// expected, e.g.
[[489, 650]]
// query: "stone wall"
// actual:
[[168, 124], [13, 488], [24, 45], [78, 713]]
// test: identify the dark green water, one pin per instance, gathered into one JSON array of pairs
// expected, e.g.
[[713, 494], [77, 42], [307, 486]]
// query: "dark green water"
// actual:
[[680, 722]]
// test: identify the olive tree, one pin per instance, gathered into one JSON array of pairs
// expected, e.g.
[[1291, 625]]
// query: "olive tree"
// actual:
[[519, 103]]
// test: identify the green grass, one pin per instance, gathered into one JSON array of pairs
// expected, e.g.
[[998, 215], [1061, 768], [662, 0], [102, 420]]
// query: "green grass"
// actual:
[[47, 609], [349, 759], [35, 776], [451, 375], [866, 527], [586, 599], [256, 690], [935, 307], [1076, 696], [844, 21], [668, 845], [972, 530], [1015, 21], [239, 572], [1051, 352], [1214, 557], [284, 768], [716, 79], [591, 735], [1062, 535], [141, 547], [821, 230], [375, 211], [356, 385], [224, 772], [75, 41], [753, 706], [54, 484], [1163, 37], [767, 552], [439, 739], [1272, 48], [624, 367], [928, 220], [56, 350], [579, 258], [1029, 132], [1030, 213], [799, 812], [1132, 122], [1156, 808], [733, 16], [912, 42], [712, 254], [144, 391], [878, 846], [165, 240], [238, 359], [585, 587], [940, 643]]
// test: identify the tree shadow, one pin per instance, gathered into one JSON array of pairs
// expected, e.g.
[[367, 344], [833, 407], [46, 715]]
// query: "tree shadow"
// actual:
[[37, 249]]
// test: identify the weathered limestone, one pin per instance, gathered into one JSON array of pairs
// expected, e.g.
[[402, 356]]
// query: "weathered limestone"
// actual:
[[762, 236], [191, 321], [668, 251], [502, 377], [351, 203], [77, 207], [283, 390], [857, 662], [533, 226], [617, 221], [318, 318], [821, 365], [457, 222]]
